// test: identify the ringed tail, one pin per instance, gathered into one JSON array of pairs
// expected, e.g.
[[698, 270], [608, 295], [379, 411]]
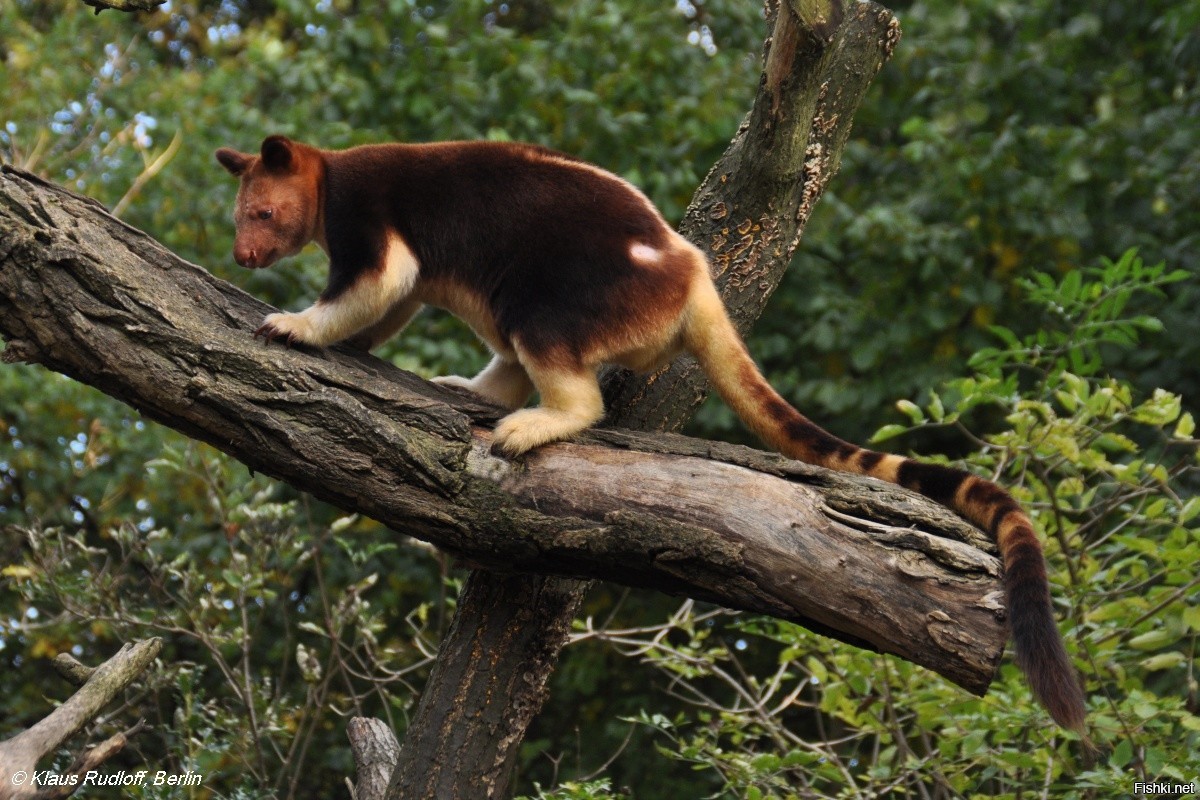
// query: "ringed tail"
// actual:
[[711, 337]]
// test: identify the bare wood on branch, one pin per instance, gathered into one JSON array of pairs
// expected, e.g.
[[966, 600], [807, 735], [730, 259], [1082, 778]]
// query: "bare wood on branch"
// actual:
[[19, 756]]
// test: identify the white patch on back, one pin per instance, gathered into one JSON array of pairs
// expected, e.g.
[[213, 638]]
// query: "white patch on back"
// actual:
[[644, 254]]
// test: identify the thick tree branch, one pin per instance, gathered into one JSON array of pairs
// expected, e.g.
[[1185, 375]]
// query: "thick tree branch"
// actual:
[[84, 294], [21, 753]]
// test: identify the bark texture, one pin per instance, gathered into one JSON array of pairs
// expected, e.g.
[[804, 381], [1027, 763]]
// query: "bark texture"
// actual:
[[499, 652], [375, 752]]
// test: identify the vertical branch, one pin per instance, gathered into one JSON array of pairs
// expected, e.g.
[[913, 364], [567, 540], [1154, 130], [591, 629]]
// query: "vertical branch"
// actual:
[[750, 211], [488, 683], [748, 216], [375, 752]]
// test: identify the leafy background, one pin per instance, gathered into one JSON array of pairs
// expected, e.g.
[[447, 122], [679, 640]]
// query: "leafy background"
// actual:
[[970, 259]]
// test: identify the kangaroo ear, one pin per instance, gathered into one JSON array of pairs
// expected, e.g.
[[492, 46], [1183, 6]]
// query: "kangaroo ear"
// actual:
[[278, 153], [233, 161]]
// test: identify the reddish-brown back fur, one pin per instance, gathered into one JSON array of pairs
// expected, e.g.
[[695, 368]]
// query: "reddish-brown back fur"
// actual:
[[532, 232]]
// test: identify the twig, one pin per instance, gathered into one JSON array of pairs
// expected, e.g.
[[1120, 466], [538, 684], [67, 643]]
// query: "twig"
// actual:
[[152, 169], [88, 760], [128, 6]]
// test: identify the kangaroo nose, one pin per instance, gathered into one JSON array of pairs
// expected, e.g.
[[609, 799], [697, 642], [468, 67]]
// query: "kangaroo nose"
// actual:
[[246, 257]]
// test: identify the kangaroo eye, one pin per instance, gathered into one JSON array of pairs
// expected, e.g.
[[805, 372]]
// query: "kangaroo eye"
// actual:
[[265, 213]]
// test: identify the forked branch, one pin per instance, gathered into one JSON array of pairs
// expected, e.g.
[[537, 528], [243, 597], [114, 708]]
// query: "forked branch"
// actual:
[[19, 756]]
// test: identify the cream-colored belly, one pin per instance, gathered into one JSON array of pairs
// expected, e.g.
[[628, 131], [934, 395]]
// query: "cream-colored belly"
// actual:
[[467, 306]]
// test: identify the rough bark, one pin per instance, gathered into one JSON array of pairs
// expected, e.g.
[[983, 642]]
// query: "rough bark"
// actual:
[[375, 752], [464, 743], [20, 755]]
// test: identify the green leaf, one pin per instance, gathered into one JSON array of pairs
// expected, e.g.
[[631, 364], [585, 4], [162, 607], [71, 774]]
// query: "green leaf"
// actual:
[[766, 762], [1185, 427], [911, 410], [1154, 639], [936, 409], [1005, 335], [1163, 661], [1122, 754], [1191, 617], [888, 432]]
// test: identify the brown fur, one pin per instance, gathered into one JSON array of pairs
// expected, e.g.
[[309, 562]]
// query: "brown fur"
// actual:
[[560, 267]]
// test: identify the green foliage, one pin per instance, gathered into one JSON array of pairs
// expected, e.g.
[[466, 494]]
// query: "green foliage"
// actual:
[[577, 790], [1109, 475], [1002, 139], [268, 619]]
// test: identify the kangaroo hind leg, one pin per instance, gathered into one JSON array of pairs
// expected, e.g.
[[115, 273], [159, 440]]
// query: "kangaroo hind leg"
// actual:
[[503, 381], [570, 402]]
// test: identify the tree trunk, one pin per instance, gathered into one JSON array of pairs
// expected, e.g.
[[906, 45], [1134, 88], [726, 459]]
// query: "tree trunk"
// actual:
[[488, 683], [770, 191]]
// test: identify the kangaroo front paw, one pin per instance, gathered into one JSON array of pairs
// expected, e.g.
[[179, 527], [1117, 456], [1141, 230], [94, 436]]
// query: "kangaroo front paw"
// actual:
[[514, 435], [456, 381], [292, 328]]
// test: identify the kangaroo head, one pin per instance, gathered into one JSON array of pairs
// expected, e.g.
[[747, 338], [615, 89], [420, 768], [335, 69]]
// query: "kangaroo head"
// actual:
[[278, 208]]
